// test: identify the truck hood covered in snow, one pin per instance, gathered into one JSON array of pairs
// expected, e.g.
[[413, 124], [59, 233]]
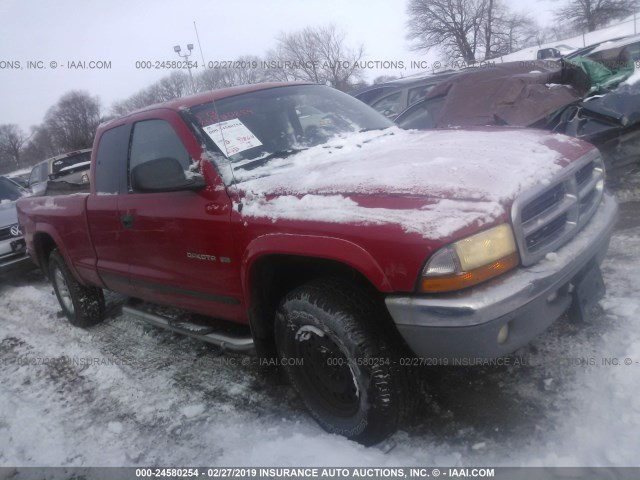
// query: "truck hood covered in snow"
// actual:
[[430, 183]]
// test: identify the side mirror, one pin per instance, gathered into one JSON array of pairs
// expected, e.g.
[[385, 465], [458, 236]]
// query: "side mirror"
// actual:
[[164, 175]]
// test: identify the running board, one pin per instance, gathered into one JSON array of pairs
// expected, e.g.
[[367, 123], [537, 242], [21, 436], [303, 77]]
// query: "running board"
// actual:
[[225, 341]]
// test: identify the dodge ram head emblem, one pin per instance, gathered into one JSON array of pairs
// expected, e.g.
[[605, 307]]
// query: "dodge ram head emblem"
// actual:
[[15, 231]]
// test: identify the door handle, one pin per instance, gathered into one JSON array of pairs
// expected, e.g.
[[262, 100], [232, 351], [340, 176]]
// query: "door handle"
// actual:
[[127, 220]]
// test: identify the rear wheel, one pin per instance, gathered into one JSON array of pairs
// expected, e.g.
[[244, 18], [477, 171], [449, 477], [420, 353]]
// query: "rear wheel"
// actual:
[[82, 305], [333, 348]]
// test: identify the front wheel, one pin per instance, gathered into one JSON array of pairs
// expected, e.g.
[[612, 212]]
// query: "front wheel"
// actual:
[[331, 343], [82, 305]]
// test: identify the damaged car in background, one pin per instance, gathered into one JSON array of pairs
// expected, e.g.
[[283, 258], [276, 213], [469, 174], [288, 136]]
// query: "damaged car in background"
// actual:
[[392, 97], [591, 97]]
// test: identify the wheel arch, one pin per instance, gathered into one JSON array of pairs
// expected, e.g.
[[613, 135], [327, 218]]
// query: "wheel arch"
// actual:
[[275, 264], [45, 240]]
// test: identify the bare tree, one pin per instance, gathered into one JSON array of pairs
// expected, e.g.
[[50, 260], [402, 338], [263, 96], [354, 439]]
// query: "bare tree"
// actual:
[[558, 31], [488, 25], [246, 70], [12, 139], [72, 122], [211, 79], [453, 26], [318, 55], [513, 32], [249, 70], [383, 79], [123, 107], [592, 14], [175, 85], [39, 147], [275, 66]]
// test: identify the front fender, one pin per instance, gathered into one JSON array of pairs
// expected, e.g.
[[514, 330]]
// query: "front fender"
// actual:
[[311, 246]]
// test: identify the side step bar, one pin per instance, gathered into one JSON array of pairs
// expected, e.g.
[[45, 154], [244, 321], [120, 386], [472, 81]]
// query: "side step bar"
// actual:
[[228, 342]]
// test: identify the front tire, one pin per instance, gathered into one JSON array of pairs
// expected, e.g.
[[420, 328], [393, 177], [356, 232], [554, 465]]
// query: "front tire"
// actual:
[[82, 305], [347, 375]]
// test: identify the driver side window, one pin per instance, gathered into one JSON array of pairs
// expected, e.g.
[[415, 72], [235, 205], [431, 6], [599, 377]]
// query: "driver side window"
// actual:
[[154, 142]]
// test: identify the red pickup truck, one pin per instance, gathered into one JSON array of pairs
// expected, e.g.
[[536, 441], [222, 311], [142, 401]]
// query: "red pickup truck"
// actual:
[[295, 220]]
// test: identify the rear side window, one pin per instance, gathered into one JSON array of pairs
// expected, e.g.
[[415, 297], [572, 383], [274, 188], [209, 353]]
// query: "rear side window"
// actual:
[[422, 116], [631, 53], [33, 177], [69, 163], [389, 106], [155, 139], [418, 93], [610, 58], [111, 157], [43, 172], [545, 53], [38, 174]]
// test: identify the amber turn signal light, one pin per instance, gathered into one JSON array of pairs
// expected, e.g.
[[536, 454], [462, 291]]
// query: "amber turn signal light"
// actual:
[[458, 281]]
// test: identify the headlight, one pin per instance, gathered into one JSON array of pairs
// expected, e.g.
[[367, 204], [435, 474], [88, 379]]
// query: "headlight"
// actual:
[[470, 261]]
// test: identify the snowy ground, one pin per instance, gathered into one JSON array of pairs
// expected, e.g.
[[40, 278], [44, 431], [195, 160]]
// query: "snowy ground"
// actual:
[[625, 27], [173, 401]]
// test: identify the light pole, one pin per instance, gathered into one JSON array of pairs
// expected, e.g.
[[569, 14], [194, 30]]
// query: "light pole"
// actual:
[[186, 56]]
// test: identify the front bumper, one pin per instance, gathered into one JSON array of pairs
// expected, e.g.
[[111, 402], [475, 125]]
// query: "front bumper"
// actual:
[[14, 263], [465, 325]]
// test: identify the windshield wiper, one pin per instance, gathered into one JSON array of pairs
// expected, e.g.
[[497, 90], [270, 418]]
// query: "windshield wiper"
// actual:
[[258, 162], [371, 129]]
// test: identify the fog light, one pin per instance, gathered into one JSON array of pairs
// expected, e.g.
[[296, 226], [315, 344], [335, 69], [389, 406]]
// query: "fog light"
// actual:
[[503, 333]]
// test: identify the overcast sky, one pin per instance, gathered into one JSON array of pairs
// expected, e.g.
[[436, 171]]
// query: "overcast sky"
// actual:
[[123, 32]]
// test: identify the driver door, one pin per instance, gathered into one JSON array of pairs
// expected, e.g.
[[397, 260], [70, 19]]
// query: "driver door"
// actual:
[[180, 244]]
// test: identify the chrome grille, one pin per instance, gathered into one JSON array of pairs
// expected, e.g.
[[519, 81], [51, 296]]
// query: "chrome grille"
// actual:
[[547, 216]]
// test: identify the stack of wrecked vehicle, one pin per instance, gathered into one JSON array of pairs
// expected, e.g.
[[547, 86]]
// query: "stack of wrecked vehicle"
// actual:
[[579, 97]]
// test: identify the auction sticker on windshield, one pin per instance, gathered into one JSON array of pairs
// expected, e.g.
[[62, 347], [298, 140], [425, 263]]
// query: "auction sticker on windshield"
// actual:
[[232, 136]]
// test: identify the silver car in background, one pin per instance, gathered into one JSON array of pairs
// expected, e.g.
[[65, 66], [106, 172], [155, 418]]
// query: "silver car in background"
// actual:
[[13, 250]]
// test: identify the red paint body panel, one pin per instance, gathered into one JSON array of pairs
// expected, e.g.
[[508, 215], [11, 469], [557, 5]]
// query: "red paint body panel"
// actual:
[[104, 227], [64, 219]]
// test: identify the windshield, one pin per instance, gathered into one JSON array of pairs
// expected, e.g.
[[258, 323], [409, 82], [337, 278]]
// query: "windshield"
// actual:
[[252, 128], [9, 192], [68, 163]]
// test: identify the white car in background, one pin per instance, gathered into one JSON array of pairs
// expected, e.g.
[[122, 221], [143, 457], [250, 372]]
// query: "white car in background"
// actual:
[[72, 167]]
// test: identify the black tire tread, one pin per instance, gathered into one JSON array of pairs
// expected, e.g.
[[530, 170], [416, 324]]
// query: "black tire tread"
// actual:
[[89, 305], [362, 316]]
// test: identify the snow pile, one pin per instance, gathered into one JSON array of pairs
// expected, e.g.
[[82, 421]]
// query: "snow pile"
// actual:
[[608, 397], [481, 165], [434, 221], [48, 204], [462, 176], [623, 28], [633, 79]]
